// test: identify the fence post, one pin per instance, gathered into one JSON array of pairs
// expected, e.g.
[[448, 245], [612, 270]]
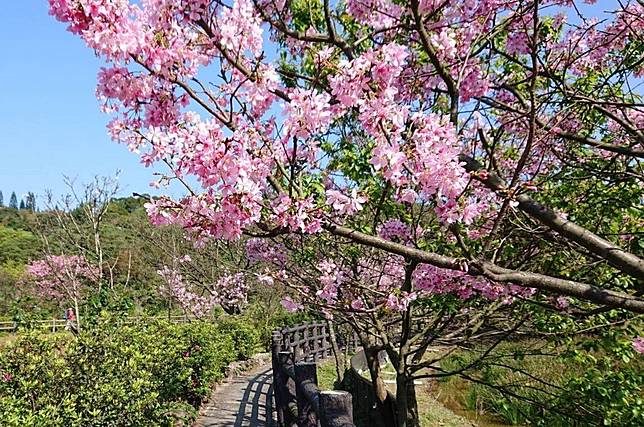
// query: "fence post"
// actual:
[[306, 376], [287, 388], [276, 342], [322, 341], [335, 409], [305, 344], [314, 344], [286, 341]]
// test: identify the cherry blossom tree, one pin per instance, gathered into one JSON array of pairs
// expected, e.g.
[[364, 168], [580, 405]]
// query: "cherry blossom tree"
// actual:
[[475, 149], [63, 278], [74, 224]]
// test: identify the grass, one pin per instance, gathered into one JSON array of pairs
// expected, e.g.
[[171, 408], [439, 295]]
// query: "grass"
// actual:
[[6, 338], [326, 375], [517, 374], [455, 396], [433, 413]]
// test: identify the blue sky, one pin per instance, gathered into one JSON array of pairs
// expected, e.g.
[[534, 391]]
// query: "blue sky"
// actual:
[[50, 123]]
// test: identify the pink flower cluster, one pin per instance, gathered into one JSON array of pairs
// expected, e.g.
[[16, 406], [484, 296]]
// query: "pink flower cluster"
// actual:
[[396, 231], [400, 302], [262, 250], [61, 276], [375, 13], [345, 205], [307, 113], [421, 166], [290, 305], [380, 281], [638, 344], [230, 289], [430, 280], [240, 28], [297, 215], [331, 277]]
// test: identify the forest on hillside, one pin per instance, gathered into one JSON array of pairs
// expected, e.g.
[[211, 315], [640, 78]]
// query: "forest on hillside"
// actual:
[[25, 233], [113, 234]]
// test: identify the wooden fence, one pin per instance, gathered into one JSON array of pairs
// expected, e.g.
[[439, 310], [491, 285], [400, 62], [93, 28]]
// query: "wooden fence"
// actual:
[[298, 400], [57, 324]]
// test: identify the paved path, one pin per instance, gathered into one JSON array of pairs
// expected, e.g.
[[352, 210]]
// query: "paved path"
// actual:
[[243, 401]]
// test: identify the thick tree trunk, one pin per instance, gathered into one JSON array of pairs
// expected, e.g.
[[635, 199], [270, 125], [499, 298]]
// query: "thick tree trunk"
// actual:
[[376, 377], [382, 403], [406, 404]]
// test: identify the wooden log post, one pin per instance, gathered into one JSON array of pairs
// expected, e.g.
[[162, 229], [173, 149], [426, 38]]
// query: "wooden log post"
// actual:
[[287, 388], [276, 343], [298, 346], [322, 341], [314, 344], [305, 344], [306, 377], [336, 409], [327, 341]]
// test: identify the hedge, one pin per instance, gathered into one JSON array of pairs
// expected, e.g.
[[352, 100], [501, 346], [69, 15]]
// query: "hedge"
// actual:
[[143, 375]]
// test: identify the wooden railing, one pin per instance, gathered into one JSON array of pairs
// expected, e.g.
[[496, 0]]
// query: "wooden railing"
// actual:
[[58, 324], [298, 399]]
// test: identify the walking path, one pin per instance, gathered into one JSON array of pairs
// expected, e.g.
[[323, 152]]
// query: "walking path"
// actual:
[[243, 401]]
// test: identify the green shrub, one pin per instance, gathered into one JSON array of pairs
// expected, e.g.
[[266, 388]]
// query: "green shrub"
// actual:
[[144, 375], [245, 337], [577, 388]]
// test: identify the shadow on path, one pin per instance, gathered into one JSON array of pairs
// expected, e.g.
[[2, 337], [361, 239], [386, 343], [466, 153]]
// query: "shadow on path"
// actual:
[[244, 401]]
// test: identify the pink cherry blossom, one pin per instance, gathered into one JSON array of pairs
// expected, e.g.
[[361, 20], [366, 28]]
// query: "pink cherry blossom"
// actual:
[[345, 205], [290, 305], [638, 344], [61, 276], [279, 130], [229, 289]]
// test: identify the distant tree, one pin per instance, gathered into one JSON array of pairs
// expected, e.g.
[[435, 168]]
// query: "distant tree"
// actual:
[[63, 278], [30, 202], [1, 199], [13, 201], [76, 221], [22, 205]]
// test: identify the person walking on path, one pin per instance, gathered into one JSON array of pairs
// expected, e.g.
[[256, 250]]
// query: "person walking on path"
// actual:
[[70, 321]]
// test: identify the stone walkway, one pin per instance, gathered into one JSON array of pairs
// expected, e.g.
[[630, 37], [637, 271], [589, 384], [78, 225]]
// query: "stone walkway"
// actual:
[[243, 401]]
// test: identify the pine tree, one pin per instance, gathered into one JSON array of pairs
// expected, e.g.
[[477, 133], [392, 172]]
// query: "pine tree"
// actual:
[[22, 204], [1, 199], [30, 202], [13, 201]]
